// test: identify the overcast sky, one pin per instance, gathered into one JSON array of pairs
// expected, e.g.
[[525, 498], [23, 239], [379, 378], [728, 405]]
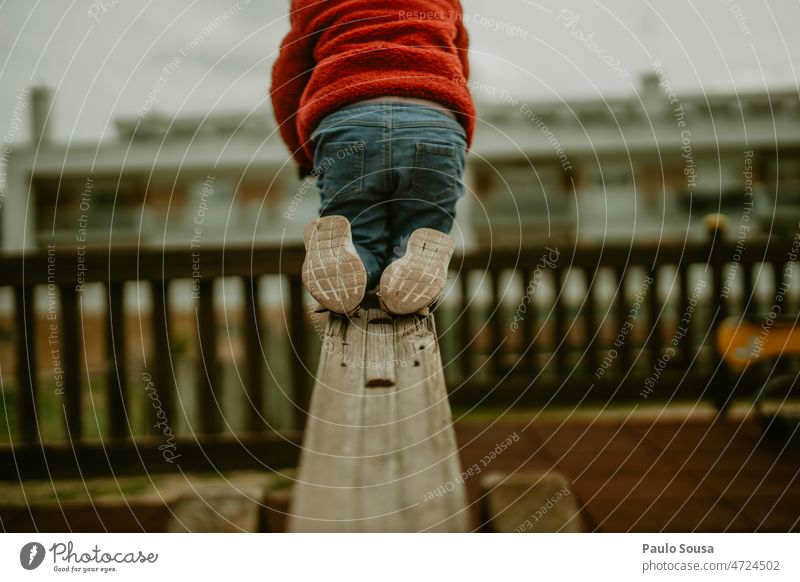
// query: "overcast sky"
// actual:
[[107, 58]]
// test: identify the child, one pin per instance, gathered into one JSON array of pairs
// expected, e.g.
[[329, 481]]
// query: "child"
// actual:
[[371, 97]]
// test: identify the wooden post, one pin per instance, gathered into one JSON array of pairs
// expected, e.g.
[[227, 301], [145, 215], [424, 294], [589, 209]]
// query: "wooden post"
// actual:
[[379, 456]]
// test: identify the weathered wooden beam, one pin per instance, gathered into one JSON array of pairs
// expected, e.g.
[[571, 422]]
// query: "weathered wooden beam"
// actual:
[[131, 263], [327, 485], [434, 493], [379, 455]]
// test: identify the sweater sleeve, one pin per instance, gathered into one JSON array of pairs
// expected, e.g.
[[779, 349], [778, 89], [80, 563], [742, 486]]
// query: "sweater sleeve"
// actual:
[[290, 76]]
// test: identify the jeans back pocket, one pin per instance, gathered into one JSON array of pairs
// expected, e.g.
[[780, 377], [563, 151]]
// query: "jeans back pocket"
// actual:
[[437, 169], [340, 169]]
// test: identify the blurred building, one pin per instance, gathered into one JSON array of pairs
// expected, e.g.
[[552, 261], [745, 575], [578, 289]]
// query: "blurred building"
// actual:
[[645, 166], [162, 181]]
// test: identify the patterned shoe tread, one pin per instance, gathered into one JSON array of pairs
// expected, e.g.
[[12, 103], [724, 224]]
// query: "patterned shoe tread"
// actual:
[[332, 271], [416, 280]]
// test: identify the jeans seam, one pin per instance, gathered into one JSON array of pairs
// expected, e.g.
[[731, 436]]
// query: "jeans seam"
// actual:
[[454, 126]]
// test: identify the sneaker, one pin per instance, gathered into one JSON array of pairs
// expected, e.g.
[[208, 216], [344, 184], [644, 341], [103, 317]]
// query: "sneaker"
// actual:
[[412, 283], [332, 271]]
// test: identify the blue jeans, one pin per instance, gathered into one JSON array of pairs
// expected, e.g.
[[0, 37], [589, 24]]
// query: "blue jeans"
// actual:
[[389, 168]]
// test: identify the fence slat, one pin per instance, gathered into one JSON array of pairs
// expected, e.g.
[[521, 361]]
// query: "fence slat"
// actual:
[[465, 358], [527, 342], [496, 347], [719, 310], [164, 380], [717, 257], [27, 383], [298, 349], [654, 318], [560, 343], [590, 318], [207, 365], [783, 365], [719, 304], [777, 279], [71, 339], [252, 336], [688, 341], [116, 374], [749, 296], [621, 316]]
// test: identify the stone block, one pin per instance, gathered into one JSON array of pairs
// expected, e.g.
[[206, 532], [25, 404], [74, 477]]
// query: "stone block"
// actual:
[[530, 502]]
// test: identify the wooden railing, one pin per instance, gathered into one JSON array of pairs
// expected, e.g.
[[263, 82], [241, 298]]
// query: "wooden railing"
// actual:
[[652, 337], [534, 326], [207, 444]]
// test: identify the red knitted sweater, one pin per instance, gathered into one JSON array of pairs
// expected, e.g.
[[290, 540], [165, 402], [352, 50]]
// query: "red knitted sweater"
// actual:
[[339, 52]]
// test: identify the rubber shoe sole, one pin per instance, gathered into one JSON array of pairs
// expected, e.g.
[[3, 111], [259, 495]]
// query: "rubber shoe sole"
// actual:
[[416, 280], [332, 271]]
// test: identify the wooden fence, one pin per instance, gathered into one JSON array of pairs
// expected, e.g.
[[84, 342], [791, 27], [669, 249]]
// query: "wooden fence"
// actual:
[[649, 336], [207, 447], [562, 325]]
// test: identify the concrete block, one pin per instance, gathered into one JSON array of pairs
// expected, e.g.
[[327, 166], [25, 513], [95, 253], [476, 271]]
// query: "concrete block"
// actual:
[[530, 502]]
